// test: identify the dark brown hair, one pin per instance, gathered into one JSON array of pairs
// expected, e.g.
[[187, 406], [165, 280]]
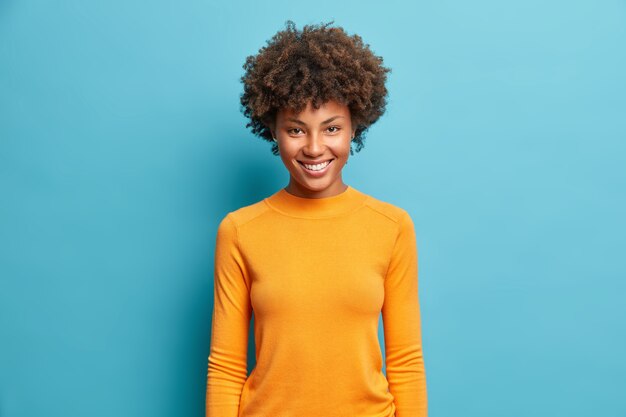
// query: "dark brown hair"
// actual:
[[317, 64]]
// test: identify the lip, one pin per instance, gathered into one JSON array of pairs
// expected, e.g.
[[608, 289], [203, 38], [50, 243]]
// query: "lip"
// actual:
[[317, 174], [315, 162]]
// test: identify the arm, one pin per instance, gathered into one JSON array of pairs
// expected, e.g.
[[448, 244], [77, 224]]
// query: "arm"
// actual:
[[401, 318], [227, 370]]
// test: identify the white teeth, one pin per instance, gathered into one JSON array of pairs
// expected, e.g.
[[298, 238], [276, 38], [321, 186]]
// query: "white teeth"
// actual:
[[317, 167]]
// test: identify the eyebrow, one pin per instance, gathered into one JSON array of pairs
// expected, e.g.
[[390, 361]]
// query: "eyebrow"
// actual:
[[300, 122]]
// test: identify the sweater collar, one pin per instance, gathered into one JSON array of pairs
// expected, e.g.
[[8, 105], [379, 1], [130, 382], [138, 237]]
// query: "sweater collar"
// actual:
[[315, 208]]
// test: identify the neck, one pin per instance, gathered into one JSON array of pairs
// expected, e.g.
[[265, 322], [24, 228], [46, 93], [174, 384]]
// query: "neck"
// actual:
[[296, 189], [339, 204]]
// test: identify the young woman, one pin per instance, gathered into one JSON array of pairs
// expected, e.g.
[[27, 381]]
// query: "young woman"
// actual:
[[318, 261]]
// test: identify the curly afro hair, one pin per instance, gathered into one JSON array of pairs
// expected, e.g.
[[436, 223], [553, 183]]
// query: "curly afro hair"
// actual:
[[317, 64]]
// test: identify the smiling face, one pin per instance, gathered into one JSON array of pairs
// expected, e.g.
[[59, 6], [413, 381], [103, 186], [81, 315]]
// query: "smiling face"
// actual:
[[314, 137]]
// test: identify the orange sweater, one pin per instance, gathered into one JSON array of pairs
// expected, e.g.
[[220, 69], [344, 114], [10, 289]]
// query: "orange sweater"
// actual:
[[317, 273]]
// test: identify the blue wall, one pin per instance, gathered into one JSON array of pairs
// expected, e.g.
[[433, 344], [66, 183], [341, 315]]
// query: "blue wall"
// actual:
[[122, 145]]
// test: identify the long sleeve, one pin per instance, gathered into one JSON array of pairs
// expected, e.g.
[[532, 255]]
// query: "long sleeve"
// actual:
[[402, 328], [227, 362]]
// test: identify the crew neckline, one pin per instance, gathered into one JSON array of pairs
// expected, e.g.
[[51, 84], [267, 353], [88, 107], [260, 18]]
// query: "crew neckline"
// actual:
[[315, 208]]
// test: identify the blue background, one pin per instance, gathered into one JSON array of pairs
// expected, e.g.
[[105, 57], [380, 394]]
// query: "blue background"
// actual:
[[122, 146]]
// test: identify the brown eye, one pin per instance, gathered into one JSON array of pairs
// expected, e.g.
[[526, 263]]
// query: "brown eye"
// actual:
[[334, 127]]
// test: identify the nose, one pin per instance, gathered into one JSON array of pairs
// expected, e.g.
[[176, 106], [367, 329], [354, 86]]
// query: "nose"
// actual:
[[314, 144]]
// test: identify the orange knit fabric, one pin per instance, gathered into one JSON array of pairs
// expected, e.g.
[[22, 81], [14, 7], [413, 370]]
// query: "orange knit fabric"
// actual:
[[317, 273]]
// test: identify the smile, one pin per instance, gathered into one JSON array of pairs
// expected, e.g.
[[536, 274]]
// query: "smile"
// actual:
[[317, 167], [316, 170]]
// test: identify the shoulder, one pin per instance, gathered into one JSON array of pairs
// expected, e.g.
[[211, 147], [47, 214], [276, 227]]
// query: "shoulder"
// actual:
[[239, 217], [393, 212]]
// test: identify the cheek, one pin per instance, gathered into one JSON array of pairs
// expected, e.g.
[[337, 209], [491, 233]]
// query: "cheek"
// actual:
[[289, 160], [286, 153], [290, 163], [343, 151]]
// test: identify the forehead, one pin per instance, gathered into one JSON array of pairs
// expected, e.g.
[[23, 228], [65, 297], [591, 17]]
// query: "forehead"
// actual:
[[330, 108]]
